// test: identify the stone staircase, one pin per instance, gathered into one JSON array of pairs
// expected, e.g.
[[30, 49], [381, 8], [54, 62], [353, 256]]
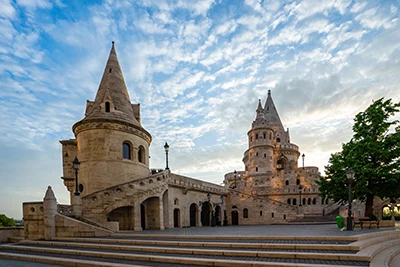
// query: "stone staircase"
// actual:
[[131, 249]]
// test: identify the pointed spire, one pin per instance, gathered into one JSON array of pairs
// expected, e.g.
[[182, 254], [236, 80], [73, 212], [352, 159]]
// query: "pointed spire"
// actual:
[[112, 99], [271, 114], [49, 194]]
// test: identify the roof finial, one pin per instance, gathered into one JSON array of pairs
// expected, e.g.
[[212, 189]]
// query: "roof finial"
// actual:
[[113, 43], [269, 92]]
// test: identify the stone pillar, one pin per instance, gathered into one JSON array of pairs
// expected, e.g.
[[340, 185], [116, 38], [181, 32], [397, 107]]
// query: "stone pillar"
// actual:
[[161, 214], [300, 212], [77, 206], [137, 220], [198, 223], [49, 211]]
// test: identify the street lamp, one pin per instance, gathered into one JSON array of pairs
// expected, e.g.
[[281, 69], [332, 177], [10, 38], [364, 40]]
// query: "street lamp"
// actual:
[[303, 156], [76, 164], [300, 189], [234, 175], [166, 147], [350, 178]]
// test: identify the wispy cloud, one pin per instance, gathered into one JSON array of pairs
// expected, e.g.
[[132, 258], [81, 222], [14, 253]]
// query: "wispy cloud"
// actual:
[[198, 69]]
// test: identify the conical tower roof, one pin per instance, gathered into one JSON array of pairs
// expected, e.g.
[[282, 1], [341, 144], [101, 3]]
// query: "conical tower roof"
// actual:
[[112, 99], [271, 114]]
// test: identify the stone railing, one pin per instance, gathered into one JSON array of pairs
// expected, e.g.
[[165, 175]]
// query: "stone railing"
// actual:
[[287, 146], [194, 184]]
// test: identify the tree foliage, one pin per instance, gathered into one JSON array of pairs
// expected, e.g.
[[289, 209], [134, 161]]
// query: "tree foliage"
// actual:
[[5, 221], [373, 153]]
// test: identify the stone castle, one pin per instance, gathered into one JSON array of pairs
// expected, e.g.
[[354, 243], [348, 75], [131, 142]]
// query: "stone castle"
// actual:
[[116, 189]]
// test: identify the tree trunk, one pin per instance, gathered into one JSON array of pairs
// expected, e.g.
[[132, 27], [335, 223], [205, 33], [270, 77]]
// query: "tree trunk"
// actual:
[[369, 205]]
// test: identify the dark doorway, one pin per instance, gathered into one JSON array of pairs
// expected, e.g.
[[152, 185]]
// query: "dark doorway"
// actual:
[[193, 214], [235, 217], [177, 215], [124, 217], [218, 215], [205, 214], [142, 216]]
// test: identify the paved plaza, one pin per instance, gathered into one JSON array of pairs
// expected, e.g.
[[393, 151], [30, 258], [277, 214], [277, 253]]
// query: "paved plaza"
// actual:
[[263, 230]]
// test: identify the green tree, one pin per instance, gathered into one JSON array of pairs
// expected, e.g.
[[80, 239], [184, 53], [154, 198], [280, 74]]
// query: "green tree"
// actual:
[[5, 221], [374, 155]]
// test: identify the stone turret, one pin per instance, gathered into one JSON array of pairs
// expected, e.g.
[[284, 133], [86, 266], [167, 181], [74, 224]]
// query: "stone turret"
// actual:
[[111, 143]]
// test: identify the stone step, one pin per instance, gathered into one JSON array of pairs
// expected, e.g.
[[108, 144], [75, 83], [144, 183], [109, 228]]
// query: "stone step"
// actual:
[[143, 254], [235, 258], [252, 249]]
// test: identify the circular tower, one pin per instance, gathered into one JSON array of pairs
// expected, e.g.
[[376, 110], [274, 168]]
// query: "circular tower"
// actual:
[[112, 146]]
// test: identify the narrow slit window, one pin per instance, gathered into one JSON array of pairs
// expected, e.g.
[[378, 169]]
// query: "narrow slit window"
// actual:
[[107, 106]]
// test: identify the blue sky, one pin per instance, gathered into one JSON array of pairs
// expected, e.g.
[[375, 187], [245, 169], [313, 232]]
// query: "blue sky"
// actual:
[[197, 68]]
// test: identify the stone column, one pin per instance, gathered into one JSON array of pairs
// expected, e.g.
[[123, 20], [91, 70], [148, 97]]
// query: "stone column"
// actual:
[[198, 223], [137, 220], [49, 210], [161, 213], [77, 206]]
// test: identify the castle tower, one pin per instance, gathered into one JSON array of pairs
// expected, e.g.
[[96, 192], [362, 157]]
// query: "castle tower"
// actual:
[[111, 143], [270, 152]]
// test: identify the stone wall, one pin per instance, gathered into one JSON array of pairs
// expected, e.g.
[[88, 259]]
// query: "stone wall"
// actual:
[[33, 216], [9, 232], [66, 226]]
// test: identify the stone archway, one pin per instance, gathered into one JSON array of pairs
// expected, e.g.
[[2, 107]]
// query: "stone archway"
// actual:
[[218, 215], [177, 218], [205, 214], [151, 213], [193, 214], [124, 216]]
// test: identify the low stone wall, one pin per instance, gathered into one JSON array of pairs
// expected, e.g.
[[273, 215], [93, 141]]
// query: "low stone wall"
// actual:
[[8, 232], [68, 227]]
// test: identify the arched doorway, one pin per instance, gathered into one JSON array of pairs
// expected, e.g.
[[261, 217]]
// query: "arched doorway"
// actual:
[[235, 217], [124, 217], [205, 214], [151, 214], [142, 217], [177, 216], [193, 214], [218, 215]]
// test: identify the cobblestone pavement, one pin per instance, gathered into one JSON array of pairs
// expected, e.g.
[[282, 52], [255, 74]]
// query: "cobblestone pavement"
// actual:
[[263, 230]]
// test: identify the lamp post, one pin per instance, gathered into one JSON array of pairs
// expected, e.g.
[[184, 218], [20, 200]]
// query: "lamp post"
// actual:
[[300, 189], [303, 156], [234, 175], [350, 177], [166, 147], [76, 164]]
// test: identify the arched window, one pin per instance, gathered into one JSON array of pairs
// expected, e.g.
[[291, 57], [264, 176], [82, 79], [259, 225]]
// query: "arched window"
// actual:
[[294, 201], [245, 213], [126, 150], [289, 201], [176, 201], [287, 182], [251, 139], [265, 136], [107, 106], [234, 207], [141, 154], [314, 201], [278, 140], [256, 169], [270, 136], [327, 202], [256, 136], [304, 201], [309, 201], [81, 188], [298, 182]]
